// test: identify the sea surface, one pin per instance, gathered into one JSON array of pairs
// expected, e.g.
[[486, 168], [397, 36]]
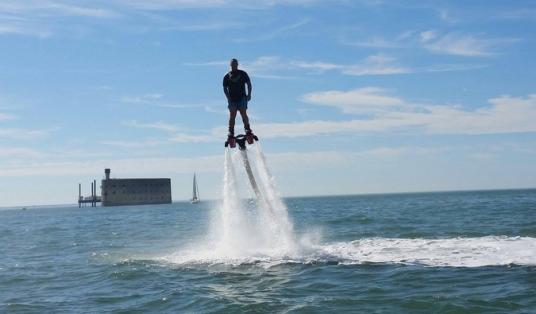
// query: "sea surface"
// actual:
[[449, 252]]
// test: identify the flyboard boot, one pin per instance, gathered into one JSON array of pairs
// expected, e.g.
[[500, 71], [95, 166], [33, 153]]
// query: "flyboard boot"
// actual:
[[241, 139], [250, 137], [231, 140]]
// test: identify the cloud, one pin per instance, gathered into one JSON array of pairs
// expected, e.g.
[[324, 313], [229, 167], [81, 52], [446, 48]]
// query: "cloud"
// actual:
[[203, 4], [375, 65], [22, 134], [162, 126], [23, 29], [274, 67], [505, 114], [143, 99], [516, 14], [428, 35], [208, 63], [52, 8], [38, 18], [446, 16], [385, 113], [212, 26], [358, 101], [458, 44], [188, 138], [133, 144], [20, 152], [375, 42], [381, 112], [378, 64], [7, 116], [157, 100], [281, 31], [132, 166], [452, 43], [163, 22], [151, 166]]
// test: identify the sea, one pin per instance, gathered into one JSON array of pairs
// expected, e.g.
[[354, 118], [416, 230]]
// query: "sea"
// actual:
[[440, 252]]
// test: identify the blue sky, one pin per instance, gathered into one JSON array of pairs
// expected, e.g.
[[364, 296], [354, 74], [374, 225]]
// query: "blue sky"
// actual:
[[358, 96]]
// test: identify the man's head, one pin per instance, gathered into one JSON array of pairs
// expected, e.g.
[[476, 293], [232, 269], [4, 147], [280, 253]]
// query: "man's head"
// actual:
[[234, 64]]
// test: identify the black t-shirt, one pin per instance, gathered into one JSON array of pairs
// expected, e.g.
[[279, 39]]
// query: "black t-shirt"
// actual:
[[236, 84]]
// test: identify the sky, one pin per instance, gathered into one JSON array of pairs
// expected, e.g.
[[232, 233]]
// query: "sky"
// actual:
[[349, 97]]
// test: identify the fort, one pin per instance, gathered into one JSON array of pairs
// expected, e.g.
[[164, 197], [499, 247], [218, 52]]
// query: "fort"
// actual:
[[138, 191]]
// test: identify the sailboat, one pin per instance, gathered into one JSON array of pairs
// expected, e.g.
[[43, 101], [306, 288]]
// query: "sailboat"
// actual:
[[195, 198]]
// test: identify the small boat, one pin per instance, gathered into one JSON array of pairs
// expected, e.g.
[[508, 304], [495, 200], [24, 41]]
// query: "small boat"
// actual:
[[195, 198]]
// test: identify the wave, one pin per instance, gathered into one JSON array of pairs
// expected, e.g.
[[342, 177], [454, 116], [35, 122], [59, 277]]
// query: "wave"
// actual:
[[450, 252]]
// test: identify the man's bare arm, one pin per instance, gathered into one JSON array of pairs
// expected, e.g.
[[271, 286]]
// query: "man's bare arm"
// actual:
[[249, 90], [226, 92]]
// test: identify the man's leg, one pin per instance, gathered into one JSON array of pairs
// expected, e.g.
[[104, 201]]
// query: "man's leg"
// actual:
[[245, 119], [232, 117]]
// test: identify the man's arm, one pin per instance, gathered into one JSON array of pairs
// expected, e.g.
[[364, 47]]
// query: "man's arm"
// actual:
[[249, 90], [226, 87]]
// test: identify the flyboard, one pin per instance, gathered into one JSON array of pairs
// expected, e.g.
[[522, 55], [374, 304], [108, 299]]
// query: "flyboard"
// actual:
[[242, 140]]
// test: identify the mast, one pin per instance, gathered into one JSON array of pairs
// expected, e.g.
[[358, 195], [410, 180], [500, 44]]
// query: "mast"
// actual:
[[196, 190], [194, 197]]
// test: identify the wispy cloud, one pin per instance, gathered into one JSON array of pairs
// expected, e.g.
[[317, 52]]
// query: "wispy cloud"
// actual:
[[159, 125], [451, 43], [190, 138], [7, 116], [142, 99], [446, 16], [22, 134], [289, 161], [39, 18], [505, 114], [372, 65], [275, 67], [204, 4], [20, 152], [278, 32], [17, 28], [133, 144], [359, 101], [53, 8], [376, 65], [516, 14], [163, 22], [158, 100], [458, 44]]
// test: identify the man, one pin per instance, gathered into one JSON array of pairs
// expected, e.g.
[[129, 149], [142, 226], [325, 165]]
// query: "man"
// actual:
[[234, 87]]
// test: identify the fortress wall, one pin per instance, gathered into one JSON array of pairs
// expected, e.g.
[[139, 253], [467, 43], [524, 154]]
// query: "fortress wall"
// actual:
[[136, 191]]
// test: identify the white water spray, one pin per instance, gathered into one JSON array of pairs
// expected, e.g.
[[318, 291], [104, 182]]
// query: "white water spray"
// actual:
[[261, 232], [252, 223]]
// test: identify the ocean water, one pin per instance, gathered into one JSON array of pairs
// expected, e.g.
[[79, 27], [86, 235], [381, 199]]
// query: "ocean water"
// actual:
[[450, 252]]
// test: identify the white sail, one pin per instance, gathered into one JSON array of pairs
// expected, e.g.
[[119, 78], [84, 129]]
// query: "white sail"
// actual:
[[195, 196]]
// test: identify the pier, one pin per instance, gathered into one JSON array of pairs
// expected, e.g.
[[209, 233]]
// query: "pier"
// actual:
[[93, 199]]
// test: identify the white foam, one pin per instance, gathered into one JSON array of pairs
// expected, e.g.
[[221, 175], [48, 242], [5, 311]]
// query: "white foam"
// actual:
[[450, 252], [262, 233], [455, 252]]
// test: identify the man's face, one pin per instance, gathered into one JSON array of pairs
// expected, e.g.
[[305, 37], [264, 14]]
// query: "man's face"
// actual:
[[234, 65]]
